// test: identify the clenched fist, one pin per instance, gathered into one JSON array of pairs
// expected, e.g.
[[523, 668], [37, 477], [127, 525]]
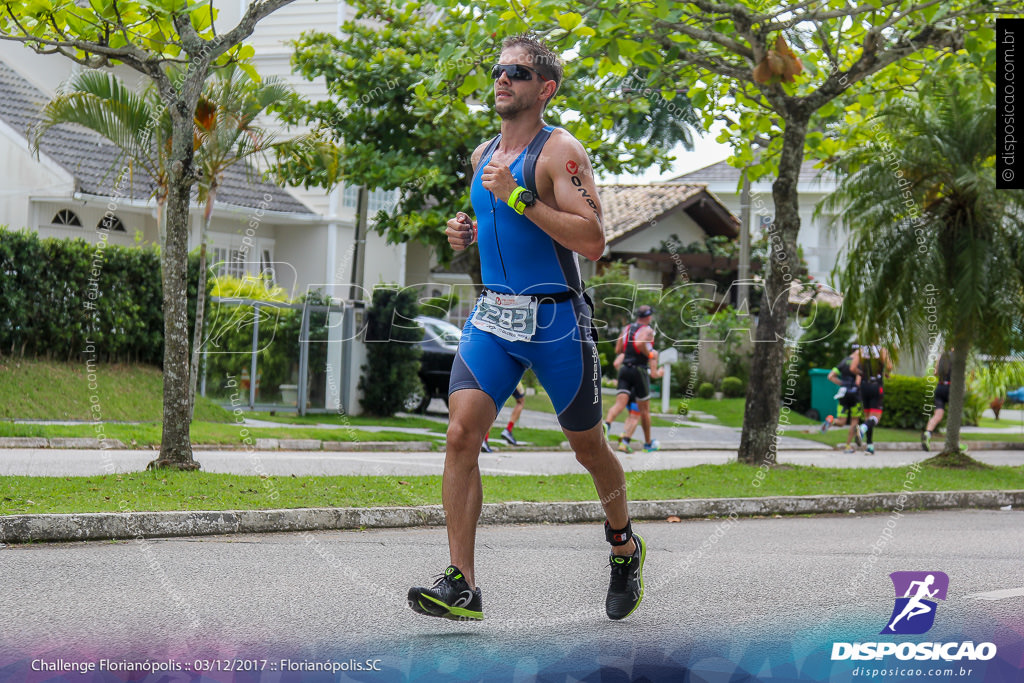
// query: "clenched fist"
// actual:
[[461, 231]]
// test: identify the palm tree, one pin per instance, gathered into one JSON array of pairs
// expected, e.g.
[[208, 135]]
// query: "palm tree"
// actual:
[[935, 250], [226, 135], [138, 124], [140, 127]]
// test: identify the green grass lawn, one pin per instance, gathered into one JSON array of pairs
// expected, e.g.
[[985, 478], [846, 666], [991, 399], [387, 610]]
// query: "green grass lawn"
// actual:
[[1004, 423], [837, 435], [47, 390], [729, 411], [541, 402], [205, 491], [342, 420], [208, 433]]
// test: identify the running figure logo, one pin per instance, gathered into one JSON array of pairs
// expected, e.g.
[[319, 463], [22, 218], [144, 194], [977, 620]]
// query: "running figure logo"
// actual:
[[914, 612]]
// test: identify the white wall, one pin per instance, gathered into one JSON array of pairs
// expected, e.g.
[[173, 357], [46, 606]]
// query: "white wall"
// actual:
[[301, 247], [651, 238], [23, 176], [384, 262], [140, 226], [820, 249]]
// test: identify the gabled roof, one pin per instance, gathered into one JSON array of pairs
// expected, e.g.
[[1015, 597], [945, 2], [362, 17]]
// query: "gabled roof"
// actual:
[[92, 160], [722, 172], [629, 208]]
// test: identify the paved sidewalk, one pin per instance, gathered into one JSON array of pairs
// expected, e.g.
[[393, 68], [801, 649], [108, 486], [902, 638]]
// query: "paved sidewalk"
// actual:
[[88, 462]]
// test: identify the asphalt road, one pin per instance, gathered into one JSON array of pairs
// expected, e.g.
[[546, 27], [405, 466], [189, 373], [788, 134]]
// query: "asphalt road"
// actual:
[[765, 596]]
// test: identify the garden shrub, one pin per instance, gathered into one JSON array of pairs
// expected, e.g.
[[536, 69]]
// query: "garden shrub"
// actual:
[[706, 390], [733, 387]]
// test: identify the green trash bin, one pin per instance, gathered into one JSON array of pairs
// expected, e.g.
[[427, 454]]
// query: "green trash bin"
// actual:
[[822, 392]]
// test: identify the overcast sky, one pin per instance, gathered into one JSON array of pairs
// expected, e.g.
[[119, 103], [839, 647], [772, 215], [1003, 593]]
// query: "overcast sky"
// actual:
[[706, 152]]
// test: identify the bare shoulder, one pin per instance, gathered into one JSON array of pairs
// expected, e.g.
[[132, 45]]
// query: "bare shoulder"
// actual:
[[479, 152], [563, 148]]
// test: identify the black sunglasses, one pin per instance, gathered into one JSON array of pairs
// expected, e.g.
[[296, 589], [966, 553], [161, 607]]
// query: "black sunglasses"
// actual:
[[515, 72]]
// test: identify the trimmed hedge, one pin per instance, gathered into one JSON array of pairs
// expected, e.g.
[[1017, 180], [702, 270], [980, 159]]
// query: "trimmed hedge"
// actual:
[[706, 390], [391, 372], [57, 294], [904, 401]]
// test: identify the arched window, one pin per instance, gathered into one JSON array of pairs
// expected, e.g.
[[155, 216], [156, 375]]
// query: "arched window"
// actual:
[[66, 217], [112, 223]]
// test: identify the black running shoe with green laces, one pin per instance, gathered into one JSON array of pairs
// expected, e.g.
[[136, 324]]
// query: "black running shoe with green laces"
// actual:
[[626, 589], [450, 598]]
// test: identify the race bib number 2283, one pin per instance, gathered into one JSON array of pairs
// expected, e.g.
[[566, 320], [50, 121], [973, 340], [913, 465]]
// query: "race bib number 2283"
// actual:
[[508, 316]]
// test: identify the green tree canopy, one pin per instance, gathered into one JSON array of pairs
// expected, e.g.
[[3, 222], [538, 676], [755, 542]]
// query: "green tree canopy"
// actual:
[[936, 252], [410, 98]]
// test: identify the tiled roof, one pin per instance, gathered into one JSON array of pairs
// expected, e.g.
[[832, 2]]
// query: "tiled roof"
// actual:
[[723, 172], [92, 160], [628, 207]]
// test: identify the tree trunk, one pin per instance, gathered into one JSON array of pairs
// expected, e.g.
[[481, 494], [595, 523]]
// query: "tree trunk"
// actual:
[[175, 444], [758, 442], [957, 390], [197, 337]]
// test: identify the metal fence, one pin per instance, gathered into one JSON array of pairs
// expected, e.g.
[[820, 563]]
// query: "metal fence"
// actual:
[[281, 356]]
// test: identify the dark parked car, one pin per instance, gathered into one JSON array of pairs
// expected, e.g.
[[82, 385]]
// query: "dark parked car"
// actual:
[[440, 343]]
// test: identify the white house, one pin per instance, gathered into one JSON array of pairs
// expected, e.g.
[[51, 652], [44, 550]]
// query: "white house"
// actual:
[[818, 242]]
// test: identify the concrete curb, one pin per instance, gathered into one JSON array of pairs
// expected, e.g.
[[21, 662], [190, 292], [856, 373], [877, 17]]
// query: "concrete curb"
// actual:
[[127, 525], [36, 443], [937, 446]]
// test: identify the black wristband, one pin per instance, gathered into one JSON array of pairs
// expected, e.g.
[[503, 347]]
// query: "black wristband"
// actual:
[[620, 537]]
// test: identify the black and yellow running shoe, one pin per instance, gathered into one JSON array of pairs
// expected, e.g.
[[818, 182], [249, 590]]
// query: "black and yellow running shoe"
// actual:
[[450, 598], [626, 589]]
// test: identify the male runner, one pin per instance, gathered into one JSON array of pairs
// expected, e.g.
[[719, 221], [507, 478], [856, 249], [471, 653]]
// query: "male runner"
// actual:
[[535, 211], [637, 343], [871, 365], [633, 418]]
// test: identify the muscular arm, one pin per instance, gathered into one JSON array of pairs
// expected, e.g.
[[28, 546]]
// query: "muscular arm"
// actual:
[[570, 212], [655, 370]]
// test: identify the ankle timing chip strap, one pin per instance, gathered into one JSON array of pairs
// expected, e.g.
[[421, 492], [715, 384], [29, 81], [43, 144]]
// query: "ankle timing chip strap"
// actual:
[[620, 537]]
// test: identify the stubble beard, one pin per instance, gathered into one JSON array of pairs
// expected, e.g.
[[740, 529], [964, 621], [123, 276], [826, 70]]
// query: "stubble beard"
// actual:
[[510, 110]]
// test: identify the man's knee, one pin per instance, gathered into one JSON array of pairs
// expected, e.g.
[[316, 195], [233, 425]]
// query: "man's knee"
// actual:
[[591, 450], [463, 437]]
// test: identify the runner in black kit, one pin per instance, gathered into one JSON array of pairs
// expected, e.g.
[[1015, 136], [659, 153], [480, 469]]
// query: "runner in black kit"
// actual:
[[943, 372], [871, 364], [848, 398], [535, 211], [636, 343]]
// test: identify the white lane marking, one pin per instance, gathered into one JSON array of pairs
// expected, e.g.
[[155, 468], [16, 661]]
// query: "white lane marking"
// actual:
[[999, 595]]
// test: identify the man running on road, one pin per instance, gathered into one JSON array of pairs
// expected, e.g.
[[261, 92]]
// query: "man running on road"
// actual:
[[535, 211], [637, 344]]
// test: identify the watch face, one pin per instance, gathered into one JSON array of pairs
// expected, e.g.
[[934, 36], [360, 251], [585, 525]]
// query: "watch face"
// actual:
[[526, 197]]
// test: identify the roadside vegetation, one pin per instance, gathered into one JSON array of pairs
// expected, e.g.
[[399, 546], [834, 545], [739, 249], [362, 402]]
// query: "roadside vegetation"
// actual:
[[204, 491]]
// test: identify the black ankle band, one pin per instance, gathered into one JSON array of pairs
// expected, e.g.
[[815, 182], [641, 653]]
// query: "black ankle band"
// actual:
[[620, 537]]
